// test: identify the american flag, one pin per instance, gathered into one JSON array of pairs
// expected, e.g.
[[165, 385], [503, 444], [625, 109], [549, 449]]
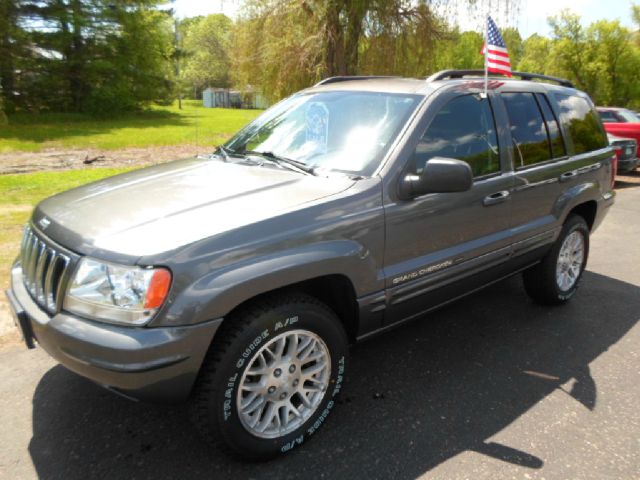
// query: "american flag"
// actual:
[[497, 54]]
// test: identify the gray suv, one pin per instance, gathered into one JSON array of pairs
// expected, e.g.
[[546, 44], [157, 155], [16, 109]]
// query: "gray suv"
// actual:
[[237, 280]]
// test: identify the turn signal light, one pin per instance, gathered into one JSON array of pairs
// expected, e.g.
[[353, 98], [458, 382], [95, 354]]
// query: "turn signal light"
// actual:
[[158, 288]]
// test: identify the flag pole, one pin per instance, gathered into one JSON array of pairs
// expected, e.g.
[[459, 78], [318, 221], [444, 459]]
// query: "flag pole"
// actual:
[[486, 56]]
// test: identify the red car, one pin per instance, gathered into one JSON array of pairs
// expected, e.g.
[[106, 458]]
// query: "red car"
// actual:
[[620, 122], [626, 152]]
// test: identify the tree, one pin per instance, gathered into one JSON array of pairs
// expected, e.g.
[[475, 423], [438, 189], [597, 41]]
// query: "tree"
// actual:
[[616, 60], [278, 48], [572, 54], [459, 51], [283, 45], [95, 56], [400, 41], [535, 54], [514, 43], [12, 47], [206, 45], [601, 59]]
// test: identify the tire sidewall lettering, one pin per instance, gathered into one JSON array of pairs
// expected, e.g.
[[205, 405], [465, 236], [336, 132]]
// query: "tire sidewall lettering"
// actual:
[[270, 329]]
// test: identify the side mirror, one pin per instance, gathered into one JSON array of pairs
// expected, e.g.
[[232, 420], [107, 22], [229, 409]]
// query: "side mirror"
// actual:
[[440, 175]]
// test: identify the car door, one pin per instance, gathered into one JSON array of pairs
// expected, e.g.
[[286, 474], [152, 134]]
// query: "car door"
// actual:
[[436, 241], [544, 170]]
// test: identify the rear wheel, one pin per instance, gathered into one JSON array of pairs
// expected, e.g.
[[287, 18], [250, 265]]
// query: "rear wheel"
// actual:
[[555, 280], [271, 377]]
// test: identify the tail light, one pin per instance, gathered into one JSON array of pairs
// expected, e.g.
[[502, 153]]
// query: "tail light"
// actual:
[[614, 170]]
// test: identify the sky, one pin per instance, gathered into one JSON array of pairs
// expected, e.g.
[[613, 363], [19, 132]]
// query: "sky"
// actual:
[[532, 18]]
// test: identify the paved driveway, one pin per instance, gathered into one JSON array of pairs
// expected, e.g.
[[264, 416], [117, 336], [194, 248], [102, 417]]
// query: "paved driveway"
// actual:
[[490, 387]]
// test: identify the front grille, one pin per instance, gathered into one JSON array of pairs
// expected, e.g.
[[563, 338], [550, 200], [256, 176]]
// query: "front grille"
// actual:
[[44, 271]]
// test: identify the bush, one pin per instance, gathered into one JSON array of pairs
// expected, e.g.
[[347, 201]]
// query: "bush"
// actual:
[[109, 100]]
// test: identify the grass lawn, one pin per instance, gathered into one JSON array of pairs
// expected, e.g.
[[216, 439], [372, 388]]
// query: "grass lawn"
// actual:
[[157, 126], [20, 193]]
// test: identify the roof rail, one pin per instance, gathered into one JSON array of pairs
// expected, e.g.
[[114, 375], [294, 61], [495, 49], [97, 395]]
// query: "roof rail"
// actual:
[[348, 78], [522, 75]]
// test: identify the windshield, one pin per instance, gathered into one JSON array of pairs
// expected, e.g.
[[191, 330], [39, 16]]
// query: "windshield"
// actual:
[[628, 116], [345, 131]]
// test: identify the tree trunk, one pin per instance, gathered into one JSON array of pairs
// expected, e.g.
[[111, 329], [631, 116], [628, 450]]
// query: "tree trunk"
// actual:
[[334, 38], [356, 11], [8, 45], [75, 61]]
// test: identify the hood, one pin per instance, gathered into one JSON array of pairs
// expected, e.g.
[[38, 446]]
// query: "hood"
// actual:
[[156, 209]]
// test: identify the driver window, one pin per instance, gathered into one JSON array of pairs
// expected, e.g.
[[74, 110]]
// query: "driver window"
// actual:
[[465, 130]]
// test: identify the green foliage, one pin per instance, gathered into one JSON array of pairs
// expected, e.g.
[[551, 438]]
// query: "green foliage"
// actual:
[[514, 43], [95, 56], [13, 47], [282, 46], [3, 116], [536, 51], [277, 46], [206, 52], [460, 51], [571, 54], [601, 59], [106, 57]]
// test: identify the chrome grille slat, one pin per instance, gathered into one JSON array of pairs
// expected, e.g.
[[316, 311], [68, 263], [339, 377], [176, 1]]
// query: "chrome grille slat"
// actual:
[[45, 271], [63, 278], [26, 257], [48, 281], [43, 255], [31, 267]]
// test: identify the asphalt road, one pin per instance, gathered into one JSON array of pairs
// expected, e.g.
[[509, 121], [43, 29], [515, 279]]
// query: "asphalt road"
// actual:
[[491, 387]]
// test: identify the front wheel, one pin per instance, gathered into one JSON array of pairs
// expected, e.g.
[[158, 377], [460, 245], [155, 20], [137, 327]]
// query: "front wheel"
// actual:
[[555, 279], [272, 376]]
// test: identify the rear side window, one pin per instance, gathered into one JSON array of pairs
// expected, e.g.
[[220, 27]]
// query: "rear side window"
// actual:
[[528, 129], [553, 130], [582, 123], [463, 129], [607, 116]]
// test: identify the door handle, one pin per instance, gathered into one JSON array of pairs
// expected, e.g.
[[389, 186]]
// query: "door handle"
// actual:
[[495, 198], [565, 177]]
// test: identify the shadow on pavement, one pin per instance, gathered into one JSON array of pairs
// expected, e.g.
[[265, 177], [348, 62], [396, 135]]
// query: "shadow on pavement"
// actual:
[[415, 397], [628, 180]]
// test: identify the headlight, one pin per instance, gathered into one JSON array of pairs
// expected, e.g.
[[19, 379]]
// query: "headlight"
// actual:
[[117, 293]]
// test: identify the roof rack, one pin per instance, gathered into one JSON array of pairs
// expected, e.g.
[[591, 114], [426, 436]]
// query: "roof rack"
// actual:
[[522, 75], [349, 78]]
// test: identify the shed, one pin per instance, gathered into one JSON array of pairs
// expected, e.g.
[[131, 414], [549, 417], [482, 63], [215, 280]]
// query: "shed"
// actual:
[[226, 98], [216, 97]]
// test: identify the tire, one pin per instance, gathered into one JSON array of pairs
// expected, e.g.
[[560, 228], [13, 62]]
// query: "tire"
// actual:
[[543, 282], [256, 347]]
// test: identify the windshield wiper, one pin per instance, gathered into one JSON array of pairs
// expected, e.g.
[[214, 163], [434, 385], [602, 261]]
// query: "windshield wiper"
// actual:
[[225, 153], [295, 164]]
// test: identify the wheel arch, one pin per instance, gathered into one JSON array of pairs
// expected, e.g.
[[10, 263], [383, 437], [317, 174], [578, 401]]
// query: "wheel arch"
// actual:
[[336, 273], [334, 290], [586, 210], [580, 200]]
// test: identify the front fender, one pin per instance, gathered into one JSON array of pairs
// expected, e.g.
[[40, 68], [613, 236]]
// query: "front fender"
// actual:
[[220, 291]]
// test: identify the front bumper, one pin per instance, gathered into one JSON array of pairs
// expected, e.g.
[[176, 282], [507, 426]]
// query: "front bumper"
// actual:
[[152, 364]]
